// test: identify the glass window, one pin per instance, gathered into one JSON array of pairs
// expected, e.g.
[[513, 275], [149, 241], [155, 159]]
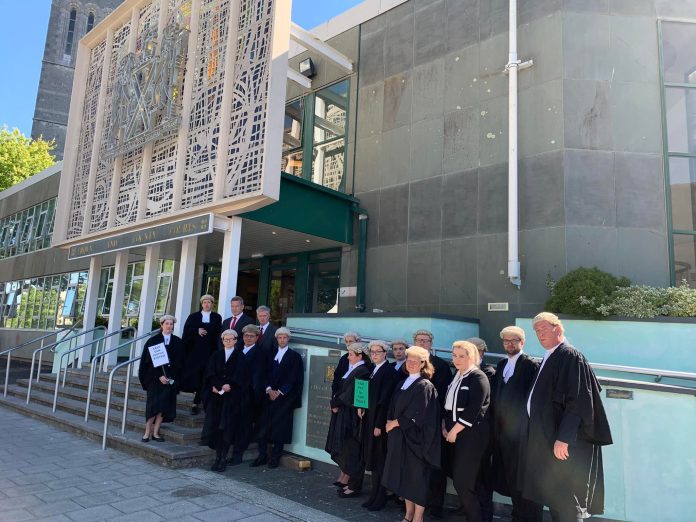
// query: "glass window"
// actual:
[[71, 32], [328, 153], [685, 259], [682, 179], [679, 61], [680, 104], [90, 22], [322, 287]]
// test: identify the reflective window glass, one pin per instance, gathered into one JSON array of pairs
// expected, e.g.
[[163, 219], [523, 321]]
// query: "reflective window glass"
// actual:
[[685, 259], [679, 60], [682, 179]]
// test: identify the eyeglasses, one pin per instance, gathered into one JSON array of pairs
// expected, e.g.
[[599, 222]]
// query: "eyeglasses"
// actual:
[[228, 339], [511, 341]]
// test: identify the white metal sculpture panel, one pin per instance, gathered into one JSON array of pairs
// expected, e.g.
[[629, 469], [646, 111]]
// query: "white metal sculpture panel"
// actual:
[[188, 119]]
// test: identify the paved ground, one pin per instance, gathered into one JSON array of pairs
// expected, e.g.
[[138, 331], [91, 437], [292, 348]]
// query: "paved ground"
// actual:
[[48, 474]]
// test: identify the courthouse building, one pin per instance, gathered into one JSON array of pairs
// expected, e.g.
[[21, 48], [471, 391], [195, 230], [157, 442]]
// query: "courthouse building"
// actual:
[[393, 195]]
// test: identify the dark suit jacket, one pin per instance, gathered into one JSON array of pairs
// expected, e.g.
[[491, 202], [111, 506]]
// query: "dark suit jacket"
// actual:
[[268, 342], [258, 364], [241, 323]]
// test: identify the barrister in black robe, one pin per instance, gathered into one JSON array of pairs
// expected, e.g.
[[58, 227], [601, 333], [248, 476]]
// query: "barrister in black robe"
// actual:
[[440, 379], [283, 396], [343, 441], [237, 321], [339, 371], [413, 440], [228, 373], [514, 377], [374, 433], [266, 340], [161, 383], [201, 333], [565, 429], [465, 425], [255, 395]]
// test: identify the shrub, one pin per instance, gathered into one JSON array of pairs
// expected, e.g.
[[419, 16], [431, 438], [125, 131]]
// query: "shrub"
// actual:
[[583, 291], [636, 301]]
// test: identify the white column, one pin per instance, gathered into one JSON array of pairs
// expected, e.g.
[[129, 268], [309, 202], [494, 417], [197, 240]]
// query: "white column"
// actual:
[[230, 265], [148, 295], [90, 314], [184, 291], [116, 308]]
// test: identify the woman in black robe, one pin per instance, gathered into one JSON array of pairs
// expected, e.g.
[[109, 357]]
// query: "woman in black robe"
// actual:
[[224, 397], [343, 439], [374, 441], [201, 334], [161, 383], [465, 424], [413, 441]]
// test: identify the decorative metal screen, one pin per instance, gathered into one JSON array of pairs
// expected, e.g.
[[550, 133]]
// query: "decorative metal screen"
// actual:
[[170, 117]]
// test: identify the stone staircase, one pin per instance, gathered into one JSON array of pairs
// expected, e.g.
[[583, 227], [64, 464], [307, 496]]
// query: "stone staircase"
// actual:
[[180, 449]]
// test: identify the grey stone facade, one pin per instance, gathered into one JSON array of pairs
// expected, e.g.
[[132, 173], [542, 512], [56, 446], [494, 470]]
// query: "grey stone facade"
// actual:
[[431, 150], [58, 67]]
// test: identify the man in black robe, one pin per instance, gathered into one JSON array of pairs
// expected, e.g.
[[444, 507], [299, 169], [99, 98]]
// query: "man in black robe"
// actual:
[[342, 366], [441, 380], [565, 429], [267, 340], [514, 377], [283, 396], [237, 321], [255, 394]]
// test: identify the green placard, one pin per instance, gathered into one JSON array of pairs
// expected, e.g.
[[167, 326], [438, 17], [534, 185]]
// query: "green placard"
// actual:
[[361, 393]]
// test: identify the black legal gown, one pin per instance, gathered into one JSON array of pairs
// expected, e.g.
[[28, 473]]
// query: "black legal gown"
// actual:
[[161, 398], [198, 349], [413, 449], [380, 392], [345, 427], [566, 406], [288, 378], [223, 413], [509, 400]]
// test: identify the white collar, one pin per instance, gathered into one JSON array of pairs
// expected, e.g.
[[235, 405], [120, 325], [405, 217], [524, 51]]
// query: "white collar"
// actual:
[[513, 358]]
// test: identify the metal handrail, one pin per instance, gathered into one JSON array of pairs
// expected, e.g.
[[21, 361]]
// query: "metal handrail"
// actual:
[[53, 345], [108, 398], [92, 370], [101, 340], [9, 351], [658, 374]]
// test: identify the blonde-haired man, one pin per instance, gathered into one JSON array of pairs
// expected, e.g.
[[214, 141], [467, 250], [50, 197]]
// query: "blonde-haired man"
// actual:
[[566, 427]]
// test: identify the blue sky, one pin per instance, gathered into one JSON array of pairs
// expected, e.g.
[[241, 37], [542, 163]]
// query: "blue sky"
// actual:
[[23, 35]]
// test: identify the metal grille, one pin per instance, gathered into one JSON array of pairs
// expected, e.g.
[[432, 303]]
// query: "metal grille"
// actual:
[[127, 205], [249, 104], [161, 189], [84, 148], [105, 169], [206, 103]]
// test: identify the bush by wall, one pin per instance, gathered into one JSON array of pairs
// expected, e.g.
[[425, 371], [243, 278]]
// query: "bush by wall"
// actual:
[[583, 290]]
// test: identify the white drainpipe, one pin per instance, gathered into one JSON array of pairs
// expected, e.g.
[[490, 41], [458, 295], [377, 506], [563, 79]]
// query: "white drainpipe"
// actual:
[[512, 67]]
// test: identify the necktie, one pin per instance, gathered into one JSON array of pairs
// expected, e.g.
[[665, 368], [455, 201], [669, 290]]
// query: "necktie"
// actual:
[[260, 332], [234, 321]]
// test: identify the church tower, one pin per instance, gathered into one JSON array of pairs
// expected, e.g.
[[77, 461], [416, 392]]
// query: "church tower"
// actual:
[[70, 20]]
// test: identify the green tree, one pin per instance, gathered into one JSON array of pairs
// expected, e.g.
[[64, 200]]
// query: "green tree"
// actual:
[[22, 157]]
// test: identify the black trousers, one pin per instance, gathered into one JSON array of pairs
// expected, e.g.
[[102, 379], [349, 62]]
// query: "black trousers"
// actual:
[[276, 452], [524, 510], [221, 446], [438, 481]]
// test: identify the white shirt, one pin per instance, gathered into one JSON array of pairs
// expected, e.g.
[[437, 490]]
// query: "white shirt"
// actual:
[[279, 356], [247, 348], [262, 328], [167, 338], [228, 352], [399, 364], [509, 369], [377, 368], [206, 316], [412, 377], [351, 368], [453, 388], [546, 357]]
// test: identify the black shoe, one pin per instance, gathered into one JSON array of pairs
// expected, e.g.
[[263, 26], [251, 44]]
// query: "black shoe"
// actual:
[[145, 439], [339, 484], [234, 460], [194, 410], [436, 512], [158, 439], [377, 505], [216, 465], [223, 466], [273, 464], [368, 503], [258, 461], [352, 494]]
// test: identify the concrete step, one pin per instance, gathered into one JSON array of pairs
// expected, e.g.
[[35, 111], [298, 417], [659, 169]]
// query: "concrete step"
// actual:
[[172, 432], [166, 453], [136, 404]]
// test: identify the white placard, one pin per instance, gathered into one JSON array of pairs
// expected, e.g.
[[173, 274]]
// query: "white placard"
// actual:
[[158, 354]]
